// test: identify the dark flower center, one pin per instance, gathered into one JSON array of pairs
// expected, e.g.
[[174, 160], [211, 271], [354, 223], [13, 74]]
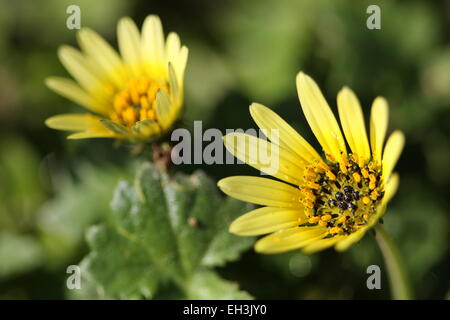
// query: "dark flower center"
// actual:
[[342, 196]]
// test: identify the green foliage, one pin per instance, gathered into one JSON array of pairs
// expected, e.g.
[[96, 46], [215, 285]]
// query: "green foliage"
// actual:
[[21, 185], [264, 53], [20, 192], [77, 205], [37, 234], [19, 253], [164, 232]]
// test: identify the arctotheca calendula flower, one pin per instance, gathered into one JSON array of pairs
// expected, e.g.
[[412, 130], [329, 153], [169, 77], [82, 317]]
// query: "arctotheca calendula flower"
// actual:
[[134, 96], [319, 202]]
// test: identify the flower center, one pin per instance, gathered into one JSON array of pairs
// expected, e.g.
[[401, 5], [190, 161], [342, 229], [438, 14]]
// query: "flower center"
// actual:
[[137, 101], [342, 196]]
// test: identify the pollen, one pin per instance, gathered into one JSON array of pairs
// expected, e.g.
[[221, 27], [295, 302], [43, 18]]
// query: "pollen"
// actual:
[[313, 220], [323, 223], [137, 101], [313, 185], [342, 196], [341, 219], [356, 177], [308, 204], [336, 230], [374, 195], [365, 173]]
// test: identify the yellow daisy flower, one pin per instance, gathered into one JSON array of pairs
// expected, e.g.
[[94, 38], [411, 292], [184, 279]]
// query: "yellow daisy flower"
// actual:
[[322, 202], [135, 96]]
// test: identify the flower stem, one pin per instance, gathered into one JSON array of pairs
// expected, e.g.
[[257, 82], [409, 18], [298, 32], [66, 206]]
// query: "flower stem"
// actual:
[[398, 278]]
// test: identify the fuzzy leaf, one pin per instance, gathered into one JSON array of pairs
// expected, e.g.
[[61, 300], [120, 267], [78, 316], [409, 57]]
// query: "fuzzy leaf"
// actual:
[[207, 284], [166, 231]]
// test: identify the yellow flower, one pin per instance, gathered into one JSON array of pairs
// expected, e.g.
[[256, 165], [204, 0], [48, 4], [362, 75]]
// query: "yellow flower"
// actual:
[[134, 96], [322, 202]]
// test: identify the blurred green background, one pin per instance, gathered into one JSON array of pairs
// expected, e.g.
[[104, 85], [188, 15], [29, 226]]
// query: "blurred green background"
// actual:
[[52, 189]]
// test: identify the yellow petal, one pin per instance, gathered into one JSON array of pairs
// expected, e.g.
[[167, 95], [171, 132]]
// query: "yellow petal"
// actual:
[[179, 64], [83, 70], [88, 124], [263, 191], [378, 126], [93, 134], [289, 239], [173, 46], [289, 139], [348, 241], [71, 90], [102, 55], [352, 122], [74, 122], [320, 117], [153, 45], [265, 156], [391, 187], [266, 220], [392, 151], [176, 56], [130, 44], [321, 244]]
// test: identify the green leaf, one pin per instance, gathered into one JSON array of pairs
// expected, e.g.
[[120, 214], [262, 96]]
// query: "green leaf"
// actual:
[[131, 275], [207, 284], [166, 231]]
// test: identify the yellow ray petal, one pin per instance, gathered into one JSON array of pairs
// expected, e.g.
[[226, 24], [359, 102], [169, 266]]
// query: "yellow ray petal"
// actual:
[[173, 46], [102, 55], [263, 191], [266, 220], [265, 156], [74, 122], [179, 64], [378, 126], [289, 239], [176, 56], [92, 134], [130, 44], [71, 90], [347, 242], [288, 138], [83, 70], [320, 117], [391, 187], [321, 244], [153, 45], [88, 124], [392, 151], [352, 122]]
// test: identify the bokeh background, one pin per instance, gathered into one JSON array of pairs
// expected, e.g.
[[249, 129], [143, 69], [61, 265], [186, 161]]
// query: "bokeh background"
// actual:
[[52, 189]]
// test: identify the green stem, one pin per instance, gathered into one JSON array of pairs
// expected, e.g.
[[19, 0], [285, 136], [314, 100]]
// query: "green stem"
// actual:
[[398, 279]]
